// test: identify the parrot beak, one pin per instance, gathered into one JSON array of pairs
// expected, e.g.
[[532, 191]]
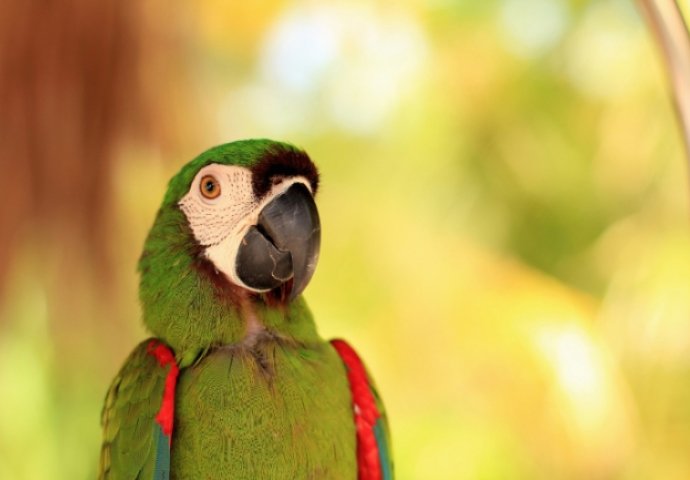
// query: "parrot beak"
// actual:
[[284, 243]]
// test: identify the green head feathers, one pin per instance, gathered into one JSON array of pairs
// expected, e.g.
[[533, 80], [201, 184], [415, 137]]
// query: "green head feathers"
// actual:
[[243, 153]]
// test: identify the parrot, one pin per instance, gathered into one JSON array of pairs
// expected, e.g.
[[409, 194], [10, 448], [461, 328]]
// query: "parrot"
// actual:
[[235, 381]]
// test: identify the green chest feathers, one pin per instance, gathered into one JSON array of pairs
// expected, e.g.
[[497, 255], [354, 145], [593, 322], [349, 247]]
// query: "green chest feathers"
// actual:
[[270, 412]]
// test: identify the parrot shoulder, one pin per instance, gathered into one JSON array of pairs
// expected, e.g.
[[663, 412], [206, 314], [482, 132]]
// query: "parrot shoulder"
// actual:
[[137, 416], [374, 460]]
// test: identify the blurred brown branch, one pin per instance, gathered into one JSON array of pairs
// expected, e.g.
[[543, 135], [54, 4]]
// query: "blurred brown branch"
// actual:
[[668, 26]]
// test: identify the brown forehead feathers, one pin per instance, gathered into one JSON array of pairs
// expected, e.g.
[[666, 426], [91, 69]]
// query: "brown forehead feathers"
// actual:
[[282, 161]]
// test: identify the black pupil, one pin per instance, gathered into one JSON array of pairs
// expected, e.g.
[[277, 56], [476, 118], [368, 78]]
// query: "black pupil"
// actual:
[[210, 186]]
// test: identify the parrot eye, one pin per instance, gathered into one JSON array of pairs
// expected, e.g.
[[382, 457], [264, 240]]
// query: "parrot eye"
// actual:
[[209, 187]]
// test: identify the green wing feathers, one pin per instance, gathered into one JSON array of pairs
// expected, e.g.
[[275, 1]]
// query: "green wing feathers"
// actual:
[[134, 443]]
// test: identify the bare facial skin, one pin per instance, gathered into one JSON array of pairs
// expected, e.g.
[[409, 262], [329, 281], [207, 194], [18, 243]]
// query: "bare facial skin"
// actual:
[[220, 223]]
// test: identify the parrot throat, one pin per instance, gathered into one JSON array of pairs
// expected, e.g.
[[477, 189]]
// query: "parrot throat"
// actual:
[[254, 327], [194, 308], [249, 306]]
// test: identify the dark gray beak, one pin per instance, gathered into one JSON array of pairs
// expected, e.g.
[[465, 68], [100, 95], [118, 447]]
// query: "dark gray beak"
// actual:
[[283, 245]]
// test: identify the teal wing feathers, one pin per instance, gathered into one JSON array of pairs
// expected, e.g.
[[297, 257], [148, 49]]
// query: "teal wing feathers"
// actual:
[[382, 434], [136, 426]]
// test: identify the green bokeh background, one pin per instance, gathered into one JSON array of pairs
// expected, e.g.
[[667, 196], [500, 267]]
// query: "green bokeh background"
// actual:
[[505, 230]]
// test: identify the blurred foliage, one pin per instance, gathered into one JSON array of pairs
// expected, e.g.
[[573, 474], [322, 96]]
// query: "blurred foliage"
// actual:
[[504, 207]]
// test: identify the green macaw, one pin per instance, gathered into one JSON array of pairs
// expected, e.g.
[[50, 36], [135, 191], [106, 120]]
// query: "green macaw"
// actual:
[[237, 383]]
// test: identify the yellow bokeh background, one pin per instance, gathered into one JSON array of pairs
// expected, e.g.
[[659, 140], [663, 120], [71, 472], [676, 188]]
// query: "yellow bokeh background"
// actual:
[[504, 204]]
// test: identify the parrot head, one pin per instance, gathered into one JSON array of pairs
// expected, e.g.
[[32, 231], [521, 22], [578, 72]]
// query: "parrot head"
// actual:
[[235, 242]]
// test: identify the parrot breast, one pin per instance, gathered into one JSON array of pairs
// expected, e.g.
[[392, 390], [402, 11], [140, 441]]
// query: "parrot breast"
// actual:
[[272, 410]]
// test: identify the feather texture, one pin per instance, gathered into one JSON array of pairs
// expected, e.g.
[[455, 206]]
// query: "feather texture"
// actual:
[[260, 395], [137, 416], [373, 456]]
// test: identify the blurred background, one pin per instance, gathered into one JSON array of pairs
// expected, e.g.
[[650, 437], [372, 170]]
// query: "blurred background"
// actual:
[[503, 192]]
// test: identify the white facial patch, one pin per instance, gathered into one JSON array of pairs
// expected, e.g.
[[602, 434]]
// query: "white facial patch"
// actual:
[[212, 220], [219, 224]]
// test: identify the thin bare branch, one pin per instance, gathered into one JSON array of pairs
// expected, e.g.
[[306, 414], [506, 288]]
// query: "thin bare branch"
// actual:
[[668, 26]]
